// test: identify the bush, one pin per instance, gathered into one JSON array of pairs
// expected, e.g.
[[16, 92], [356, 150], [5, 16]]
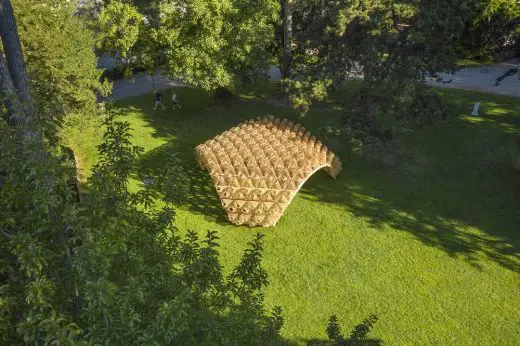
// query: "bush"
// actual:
[[121, 72]]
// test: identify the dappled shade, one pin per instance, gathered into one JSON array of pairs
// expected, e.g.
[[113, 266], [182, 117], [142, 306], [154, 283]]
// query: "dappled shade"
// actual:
[[258, 167]]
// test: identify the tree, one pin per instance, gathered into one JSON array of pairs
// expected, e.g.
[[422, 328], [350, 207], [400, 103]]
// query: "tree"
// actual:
[[8, 94], [287, 39], [493, 29], [396, 44], [111, 269], [207, 43], [119, 24], [61, 64]]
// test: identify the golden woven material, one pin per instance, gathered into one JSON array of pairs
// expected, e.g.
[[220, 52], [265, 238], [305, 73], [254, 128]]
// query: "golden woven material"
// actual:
[[259, 166]]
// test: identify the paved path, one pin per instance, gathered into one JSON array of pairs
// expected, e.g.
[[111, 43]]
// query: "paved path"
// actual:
[[473, 78], [482, 79], [140, 84]]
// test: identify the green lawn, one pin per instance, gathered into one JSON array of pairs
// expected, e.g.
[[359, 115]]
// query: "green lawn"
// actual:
[[424, 234], [466, 63]]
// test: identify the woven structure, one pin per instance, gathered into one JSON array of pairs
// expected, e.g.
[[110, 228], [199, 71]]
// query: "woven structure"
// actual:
[[259, 166]]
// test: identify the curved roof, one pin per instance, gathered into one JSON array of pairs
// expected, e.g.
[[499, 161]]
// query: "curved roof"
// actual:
[[258, 167]]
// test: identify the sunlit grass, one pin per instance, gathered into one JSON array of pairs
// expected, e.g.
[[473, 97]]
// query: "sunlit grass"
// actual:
[[465, 63], [430, 243]]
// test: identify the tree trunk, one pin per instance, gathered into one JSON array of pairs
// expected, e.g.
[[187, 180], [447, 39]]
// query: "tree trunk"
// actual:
[[14, 57], [8, 95], [287, 39]]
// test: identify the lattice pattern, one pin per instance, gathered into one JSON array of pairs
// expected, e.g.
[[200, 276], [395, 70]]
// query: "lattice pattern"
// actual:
[[259, 166]]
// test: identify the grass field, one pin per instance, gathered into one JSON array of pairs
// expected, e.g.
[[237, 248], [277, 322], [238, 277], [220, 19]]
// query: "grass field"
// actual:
[[424, 234]]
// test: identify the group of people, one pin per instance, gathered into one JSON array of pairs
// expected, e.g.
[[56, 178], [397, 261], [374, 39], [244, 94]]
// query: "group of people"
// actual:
[[158, 101]]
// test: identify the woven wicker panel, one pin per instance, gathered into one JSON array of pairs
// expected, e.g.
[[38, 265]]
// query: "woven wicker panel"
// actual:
[[258, 167]]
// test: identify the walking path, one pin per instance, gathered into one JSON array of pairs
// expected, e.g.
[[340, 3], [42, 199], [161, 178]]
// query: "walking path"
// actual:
[[141, 84], [472, 78], [482, 79]]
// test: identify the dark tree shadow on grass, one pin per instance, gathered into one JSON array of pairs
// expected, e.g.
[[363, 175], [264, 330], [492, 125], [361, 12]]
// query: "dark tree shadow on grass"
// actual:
[[462, 184]]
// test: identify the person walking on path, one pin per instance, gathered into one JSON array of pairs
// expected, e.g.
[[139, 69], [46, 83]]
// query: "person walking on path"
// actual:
[[175, 102], [158, 100]]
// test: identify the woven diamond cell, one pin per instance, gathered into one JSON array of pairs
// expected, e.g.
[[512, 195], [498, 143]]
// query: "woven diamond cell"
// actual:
[[258, 167]]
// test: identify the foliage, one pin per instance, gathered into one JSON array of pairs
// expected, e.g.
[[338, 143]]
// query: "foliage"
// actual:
[[494, 33], [61, 64], [494, 28], [206, 43], [358, 335], [396, 44], [34, 230], [303, 91], [111, 269]]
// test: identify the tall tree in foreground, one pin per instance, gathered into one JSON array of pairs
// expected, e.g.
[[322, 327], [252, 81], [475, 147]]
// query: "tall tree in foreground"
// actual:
[[110, 270], [8, 94], [287, 24], [14, 84]]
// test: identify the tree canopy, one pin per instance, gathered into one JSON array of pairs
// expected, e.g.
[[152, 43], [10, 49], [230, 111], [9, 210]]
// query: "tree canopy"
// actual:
[[207, 43], [111, 269], [61, 64], [395, 44], [107, 270]]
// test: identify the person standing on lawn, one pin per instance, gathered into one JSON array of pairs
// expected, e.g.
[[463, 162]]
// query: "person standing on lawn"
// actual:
[[175, 102], [158, 100]]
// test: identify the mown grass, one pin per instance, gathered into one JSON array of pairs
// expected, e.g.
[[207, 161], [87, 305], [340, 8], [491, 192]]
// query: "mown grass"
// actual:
[[424, 234], [467, 63]]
